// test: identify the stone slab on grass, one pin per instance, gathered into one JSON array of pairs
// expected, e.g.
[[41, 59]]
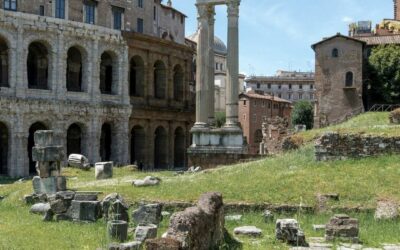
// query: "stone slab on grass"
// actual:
[[248, 230]]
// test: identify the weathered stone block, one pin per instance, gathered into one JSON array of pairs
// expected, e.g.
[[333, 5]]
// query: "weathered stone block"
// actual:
[[43, 138], [118, 230], [115, 208], [85, 210], [103, 170], [60, 206], [144, 232], [147, 214], [50, 185], [40, 208], [287, 230], [248, 230], [387, 210], [163, 244], [48, 154], [342, 227], [86, 196]]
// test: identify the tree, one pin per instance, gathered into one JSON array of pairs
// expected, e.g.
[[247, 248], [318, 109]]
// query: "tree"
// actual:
[[384, 74], [303, 113]]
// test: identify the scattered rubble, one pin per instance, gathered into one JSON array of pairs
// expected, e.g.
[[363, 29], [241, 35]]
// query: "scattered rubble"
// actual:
[[342, 227], [78, 161], [147, 214], [248, 230], [147, 181]]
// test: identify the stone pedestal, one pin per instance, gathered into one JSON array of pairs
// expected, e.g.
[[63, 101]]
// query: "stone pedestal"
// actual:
[[85, 210], [50, 185], [104, 170], [118, 230]]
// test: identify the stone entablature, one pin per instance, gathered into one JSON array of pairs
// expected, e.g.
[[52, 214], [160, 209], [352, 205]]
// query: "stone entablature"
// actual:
[[335, 146]]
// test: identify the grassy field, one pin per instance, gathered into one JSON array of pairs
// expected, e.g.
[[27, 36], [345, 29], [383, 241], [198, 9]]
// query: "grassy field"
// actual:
[[290, 178]]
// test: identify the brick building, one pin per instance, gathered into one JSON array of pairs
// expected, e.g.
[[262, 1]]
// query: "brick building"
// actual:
[[111, 78], [290, 85], [254, 109], [338, 79]]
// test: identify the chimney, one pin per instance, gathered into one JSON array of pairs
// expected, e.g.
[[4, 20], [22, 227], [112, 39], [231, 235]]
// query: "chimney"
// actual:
[[396, 10]]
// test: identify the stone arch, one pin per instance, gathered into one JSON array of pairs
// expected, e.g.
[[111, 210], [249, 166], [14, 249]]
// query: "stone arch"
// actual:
[[258, 136], [138, 142], [74, 77], [4, 148], [38, 63], [349, 79], [106, 142], [178, 80], [31, 143], [4, 63], [179, 148], [108, 73], [74, 139], [136, 76], [160, 80], [160, 148]]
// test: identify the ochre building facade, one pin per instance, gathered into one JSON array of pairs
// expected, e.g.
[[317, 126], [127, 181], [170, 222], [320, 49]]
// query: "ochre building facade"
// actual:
[[108, 92]]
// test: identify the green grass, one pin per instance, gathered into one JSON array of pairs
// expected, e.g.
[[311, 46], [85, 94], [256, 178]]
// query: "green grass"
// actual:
[[290, 178]]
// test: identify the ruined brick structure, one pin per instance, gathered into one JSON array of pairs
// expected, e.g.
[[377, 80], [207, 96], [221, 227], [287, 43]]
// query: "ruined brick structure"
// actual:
[[254, 109], [338, 79], [106, 91]]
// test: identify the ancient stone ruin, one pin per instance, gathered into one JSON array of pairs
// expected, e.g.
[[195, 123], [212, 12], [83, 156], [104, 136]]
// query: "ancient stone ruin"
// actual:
[[335, 146], [198, 227], [274, 131], [48, 157], [342, 227], [288, 230]]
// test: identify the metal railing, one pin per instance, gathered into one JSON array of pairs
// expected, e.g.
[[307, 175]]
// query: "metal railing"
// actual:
[[383, 107]]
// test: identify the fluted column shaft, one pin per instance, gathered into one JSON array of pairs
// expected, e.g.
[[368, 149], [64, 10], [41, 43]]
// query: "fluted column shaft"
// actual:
[[211, 65], [232, 86], [202, 67]]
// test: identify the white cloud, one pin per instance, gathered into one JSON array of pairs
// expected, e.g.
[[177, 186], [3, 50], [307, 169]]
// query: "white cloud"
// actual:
[[347, 19]]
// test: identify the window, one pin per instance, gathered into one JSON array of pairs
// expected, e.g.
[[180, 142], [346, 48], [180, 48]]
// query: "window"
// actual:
[[279, 86], [60, 9], [289, 96], [41, 10], [280, 95], [244, 117], [335, 53], [244, 102], [182, 19], [311, 86], [222, 66], [10, 5], [173, 14], [300, 96], [258, 85], [290, 86], [263, 103], [269, 85], [90, 8], [117, 14], [140, 25], [216, 66], [300, 86], [140, 3], [349, 79], [154, 13]]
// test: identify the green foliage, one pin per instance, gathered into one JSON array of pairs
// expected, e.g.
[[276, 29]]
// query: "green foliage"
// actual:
[[383, 73], [303, 113], [220, 119]]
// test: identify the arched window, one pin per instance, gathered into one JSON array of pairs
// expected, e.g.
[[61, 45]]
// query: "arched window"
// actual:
[[74, 139], [106, 73], [105, 142], [3, 64], [258, 136], [136, 76], [74, 70], [159, 80], [160, 148], [179, 148], [138, 139], [38, 66], [178, 83], [335, 53], [349, 79], [3, 149]]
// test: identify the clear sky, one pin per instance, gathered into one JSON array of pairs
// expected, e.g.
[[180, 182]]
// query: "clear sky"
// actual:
[[277, 34]]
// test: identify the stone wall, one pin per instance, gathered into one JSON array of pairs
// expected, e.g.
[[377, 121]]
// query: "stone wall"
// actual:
[[335, 146], [274, 131]]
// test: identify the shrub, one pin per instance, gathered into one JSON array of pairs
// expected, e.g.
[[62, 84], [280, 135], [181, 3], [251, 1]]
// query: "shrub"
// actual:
[[303, 113], [220, 119], [394, 116]]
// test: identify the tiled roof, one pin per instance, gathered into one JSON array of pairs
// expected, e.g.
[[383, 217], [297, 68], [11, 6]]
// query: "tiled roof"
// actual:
[[264, 97], [377, 40]]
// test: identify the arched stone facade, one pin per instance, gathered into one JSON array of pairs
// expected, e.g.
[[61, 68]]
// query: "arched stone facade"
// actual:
[[72, 104]]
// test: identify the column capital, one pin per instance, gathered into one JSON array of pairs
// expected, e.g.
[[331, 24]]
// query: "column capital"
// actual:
[[233, 8], [211, 14], [202, 11]]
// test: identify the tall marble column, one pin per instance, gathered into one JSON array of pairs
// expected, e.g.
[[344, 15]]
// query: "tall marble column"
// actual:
[[202, 68], [211, 65], [232, 85]]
